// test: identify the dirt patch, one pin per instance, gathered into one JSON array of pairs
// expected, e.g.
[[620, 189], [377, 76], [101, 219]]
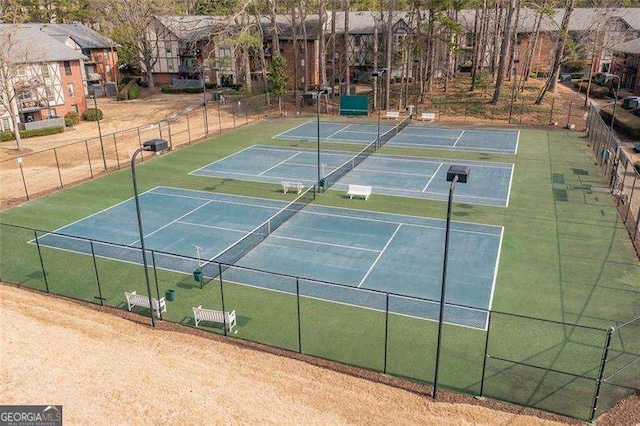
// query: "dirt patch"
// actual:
[[103, 368]]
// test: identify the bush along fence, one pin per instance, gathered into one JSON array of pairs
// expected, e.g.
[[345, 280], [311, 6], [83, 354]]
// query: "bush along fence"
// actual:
[[560, 367], [46, 171], [623, 175]]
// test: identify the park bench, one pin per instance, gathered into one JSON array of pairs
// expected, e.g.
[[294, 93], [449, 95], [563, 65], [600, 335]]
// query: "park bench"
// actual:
[[286, 186], [201, 314], [133, 299], [393, 114], [428, 116], [361, 190]]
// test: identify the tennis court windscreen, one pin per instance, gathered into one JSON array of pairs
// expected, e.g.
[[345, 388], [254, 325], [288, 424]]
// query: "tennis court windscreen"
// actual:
[[257, 235]]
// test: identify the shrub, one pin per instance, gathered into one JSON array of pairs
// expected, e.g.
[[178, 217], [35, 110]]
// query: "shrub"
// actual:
[[574, 65], [9, 136], [577, 75], [134, 91], [71, 118], [211, 86], [595, 91], [170, 89], [543, 74], [637, 166], [93, 114], [124, 80], [625, 121]]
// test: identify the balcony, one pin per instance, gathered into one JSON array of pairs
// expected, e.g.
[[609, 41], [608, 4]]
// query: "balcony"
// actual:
[[93, 76], [31, 105]]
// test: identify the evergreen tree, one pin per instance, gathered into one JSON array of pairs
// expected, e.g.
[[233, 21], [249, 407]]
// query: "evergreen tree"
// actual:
[[278, 78]]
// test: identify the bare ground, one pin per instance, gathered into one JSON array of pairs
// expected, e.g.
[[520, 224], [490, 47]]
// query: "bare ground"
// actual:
[[106, 369]]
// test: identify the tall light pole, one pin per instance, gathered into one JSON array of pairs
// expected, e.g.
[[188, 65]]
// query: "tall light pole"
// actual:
[[613, 115], [454, 174], [95, 107], [153, 145], [321, 91], [378, 75]]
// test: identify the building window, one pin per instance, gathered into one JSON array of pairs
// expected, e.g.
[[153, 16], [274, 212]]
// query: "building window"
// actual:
[[49, 91], [302, 79], [74, 108], [21, 71], [45, 71], [52, 113], [170, 66], [4, 124], [71, 89], [67, 68]]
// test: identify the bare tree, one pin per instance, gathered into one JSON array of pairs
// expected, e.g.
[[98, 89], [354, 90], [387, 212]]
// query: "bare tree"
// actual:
[[552, 81], [506, 41], [387, 75], [346, 55], [10, 50]]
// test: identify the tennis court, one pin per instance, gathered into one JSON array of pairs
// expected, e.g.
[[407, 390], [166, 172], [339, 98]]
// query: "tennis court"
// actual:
[[366, 250], [480, 140], [413, 177], [409, 136], [336, 132]]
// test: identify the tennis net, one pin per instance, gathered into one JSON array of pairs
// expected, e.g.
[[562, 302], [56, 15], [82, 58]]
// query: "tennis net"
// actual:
[[237, 251], [397, 129], [349, 165]]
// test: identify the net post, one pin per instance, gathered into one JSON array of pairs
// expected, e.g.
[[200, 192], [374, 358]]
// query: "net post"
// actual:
[[603, 364], [44, 272]]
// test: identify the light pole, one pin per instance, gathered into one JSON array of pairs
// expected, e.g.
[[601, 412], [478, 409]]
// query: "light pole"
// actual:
[[321, 91], [153, 145], [454, 174], [615, 102], [95, 107], [378, 75]]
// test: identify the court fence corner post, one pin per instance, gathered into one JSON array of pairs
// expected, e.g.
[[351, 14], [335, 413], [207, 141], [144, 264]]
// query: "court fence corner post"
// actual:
[[298, 312], [600, 380], [486, 354], [155, 277], [224, 316]]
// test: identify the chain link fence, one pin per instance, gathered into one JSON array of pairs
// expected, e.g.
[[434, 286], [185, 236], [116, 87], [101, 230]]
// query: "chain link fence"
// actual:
[[565, 368], [46, 171], [621, 167]]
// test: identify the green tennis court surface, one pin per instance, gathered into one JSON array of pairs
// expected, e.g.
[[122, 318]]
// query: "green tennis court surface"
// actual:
[[363, 250]]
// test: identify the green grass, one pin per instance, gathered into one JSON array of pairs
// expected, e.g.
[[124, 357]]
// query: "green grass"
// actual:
[[565, 257]]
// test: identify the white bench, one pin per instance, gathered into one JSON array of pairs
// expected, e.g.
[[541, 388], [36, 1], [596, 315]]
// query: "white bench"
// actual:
[[201, 314], [393, 114], [361, 190], [286, 186], [428, 116], [133, 299]]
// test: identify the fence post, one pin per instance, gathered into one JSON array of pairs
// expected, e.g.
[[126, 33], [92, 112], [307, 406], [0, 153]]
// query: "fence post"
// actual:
[[386, 334], [55, 154], [635, 232], [553, 104], [599, 381], [629, 203], [140, 144], [521, 110], [224, 318], [115, 146], [44, 272], [95, 268], [169, 130], [569, 113], [155, 276], [219, 119], [233, 113], [188, 129], [86, 145], [486, 350], [298, 308]]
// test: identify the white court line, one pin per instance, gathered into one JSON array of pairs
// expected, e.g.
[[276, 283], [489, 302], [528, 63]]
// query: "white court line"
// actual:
[[495, 270], [335, 133], [227, 202], [457, 140], [202, 225], [291, 129], [517, 142], [324, 244], [445, 147], [379, 256], [172, 222], [513, 167], [223, 158], [432, 177], [283, 161]]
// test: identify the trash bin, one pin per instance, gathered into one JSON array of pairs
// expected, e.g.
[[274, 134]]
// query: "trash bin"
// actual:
[[197, 275], [170, 295]]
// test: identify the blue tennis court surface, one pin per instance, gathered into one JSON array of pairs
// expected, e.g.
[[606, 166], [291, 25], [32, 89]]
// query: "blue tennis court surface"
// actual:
[[412, 136], [388, 175], [336, 132], [363, 250]]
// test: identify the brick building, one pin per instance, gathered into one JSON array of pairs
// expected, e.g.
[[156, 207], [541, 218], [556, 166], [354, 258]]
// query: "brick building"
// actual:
[[626, 65]]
